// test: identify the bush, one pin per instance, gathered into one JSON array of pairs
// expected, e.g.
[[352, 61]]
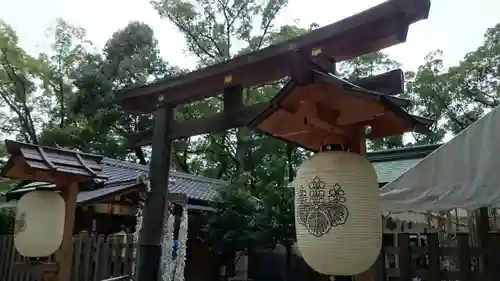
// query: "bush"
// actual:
[[7, 218]]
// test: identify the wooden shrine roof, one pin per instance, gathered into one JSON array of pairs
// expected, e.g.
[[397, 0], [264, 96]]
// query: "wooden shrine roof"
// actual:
[[33, 162], [122, 177], [325, 111], [379, 27]]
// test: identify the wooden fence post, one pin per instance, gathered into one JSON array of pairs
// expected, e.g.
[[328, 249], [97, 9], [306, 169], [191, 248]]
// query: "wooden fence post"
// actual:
[[77, 255], [380, 266], [493, 253], [405, 270], [464, 256], [434, 260]]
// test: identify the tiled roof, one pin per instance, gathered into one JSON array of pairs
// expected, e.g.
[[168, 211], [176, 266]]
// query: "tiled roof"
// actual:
[[390, 170], [391, 163], [195, 187], [48, 163], [120, 175]]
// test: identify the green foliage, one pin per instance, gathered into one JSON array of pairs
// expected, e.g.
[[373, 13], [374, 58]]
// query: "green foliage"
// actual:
[[243, 222], [7, 217], [234, 227]]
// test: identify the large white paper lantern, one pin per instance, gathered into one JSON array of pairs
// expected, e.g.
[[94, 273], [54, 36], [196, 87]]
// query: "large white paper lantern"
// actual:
[[337, 213], [39, 226]]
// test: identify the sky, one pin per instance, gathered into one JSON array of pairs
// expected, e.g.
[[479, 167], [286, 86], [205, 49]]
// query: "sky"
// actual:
[[454, 26]]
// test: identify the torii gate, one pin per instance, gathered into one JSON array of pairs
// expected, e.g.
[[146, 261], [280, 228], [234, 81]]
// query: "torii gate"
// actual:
[[309, 60]]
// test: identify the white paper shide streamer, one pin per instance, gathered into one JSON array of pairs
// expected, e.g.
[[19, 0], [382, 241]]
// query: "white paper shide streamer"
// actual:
[[181, 251], [172, 270], [138, 226], [166, 257]]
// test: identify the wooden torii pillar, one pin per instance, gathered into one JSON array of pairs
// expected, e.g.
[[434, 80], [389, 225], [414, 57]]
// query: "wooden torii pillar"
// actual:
[[66, 169]]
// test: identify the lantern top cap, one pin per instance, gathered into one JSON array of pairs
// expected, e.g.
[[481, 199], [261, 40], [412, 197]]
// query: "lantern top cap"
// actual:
[[327, 110], [40, 163]]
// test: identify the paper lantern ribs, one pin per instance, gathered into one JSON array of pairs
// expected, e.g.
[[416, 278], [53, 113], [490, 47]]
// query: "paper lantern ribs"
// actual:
[[39, 224], [327, 108], [337, 213]]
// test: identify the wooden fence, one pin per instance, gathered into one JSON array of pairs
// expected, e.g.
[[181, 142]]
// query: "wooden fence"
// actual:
[[403, 257], [428, 257], [94, 258]]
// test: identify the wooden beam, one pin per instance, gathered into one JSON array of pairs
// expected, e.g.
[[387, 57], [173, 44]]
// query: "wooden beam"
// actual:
[[177, 198], [154, 211], [391, 82], [212, 124], [346, 39]]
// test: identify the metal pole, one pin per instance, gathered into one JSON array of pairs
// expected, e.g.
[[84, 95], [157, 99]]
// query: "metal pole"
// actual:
[[150, 238]]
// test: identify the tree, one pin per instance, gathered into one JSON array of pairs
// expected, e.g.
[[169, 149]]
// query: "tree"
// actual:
[[96, 122], [458, 96], [427, 90], [244, 223], [473, 84], [37, 91], [19, 74]]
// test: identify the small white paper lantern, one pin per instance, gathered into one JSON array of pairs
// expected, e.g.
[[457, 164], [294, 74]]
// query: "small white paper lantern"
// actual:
[[39, 226], [337, 213]]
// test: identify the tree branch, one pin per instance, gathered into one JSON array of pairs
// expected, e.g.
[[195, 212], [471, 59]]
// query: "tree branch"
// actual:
[[191, 36], [268, 25], [25, 117]]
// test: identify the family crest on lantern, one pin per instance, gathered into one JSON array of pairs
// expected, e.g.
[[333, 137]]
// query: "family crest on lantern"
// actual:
[[323, 208]]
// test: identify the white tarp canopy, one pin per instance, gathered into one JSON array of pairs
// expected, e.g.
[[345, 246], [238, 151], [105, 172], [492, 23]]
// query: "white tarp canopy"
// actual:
[[463, 173]]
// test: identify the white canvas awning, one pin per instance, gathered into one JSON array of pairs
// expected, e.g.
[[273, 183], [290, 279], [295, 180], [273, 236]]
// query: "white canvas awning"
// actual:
[[463, 173]]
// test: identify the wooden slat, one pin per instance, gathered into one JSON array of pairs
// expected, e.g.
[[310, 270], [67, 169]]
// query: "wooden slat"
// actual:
[[495, 259], [88, 248], [77, 255], [117, 258], [3, 254], [464, 257], [12, 259], [97, 258], [433, 257], [106, 259], [380, 266], [129, 248], [404, 257]]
